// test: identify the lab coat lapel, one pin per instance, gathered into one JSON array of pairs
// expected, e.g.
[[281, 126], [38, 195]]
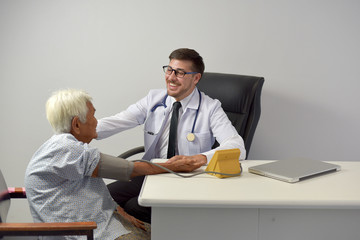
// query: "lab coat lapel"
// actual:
[[150, 152]]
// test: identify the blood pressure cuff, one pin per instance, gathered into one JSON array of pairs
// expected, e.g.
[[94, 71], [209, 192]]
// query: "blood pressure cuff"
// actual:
[[114, 167]]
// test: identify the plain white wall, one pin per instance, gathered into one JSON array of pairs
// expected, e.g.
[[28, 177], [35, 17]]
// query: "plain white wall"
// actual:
[[308, 51]]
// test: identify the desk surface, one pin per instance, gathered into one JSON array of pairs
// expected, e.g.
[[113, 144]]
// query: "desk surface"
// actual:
[[339, 190]]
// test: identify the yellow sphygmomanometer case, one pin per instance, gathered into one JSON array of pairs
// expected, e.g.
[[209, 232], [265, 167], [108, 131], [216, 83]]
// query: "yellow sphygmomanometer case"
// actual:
[[225, 161]]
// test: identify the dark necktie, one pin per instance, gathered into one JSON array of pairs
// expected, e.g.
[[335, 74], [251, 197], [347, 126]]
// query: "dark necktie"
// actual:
[[173, 129]]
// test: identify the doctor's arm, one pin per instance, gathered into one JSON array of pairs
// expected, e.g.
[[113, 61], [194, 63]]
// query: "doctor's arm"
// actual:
[[234, 141], [133, 116], [224, 133], [112, 125]]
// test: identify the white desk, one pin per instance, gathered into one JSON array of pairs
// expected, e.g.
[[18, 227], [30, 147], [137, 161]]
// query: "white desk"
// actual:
[[253, 207]]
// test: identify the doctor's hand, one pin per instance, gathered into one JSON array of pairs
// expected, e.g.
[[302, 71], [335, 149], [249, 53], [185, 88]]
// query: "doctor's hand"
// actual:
[[182, 164], [195, 159]]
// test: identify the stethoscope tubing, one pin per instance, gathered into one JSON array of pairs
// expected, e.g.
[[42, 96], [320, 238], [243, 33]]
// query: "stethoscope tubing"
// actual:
[[197, 112], [163, 104]]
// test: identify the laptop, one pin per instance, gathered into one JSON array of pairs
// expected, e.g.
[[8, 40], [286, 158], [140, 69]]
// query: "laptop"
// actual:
[[294, 170]]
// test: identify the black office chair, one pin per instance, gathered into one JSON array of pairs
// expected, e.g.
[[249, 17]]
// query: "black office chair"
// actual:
[[240, 99], [36, 229]]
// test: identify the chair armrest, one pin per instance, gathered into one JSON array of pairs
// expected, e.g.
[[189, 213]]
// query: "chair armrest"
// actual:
[[17, 192], [132, 152], [50, 229], [53, 226]]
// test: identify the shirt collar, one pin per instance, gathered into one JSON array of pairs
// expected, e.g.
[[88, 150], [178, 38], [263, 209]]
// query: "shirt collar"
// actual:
[[185, 101]]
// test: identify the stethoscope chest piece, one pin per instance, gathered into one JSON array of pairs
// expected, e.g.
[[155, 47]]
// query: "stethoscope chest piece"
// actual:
[[190, 137]]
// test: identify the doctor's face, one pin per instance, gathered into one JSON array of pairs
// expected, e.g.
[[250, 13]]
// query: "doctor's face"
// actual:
[[181, 87]]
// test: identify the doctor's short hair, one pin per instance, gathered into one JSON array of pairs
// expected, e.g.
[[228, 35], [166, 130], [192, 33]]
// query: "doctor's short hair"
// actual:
[[63, 106], [190, 55]]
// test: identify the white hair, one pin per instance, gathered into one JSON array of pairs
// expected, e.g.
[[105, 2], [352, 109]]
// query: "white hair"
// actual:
[[63, 106]]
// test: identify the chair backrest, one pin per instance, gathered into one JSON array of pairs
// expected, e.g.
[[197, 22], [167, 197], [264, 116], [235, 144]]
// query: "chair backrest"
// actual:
[[4, 199], [240, 98]]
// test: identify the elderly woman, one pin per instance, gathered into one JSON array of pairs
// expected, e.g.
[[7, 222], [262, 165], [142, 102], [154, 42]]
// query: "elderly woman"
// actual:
[[64, 177]]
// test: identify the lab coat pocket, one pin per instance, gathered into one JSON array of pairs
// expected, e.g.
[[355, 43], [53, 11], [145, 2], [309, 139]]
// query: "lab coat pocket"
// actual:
[[202, 143], [151, 130], [153, 124], [150, 134]]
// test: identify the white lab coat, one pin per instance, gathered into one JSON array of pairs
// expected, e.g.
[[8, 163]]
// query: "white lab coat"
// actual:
[[212, 123]]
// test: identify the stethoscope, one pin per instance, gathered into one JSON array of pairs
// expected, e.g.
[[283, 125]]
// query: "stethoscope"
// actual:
[[191, 136]]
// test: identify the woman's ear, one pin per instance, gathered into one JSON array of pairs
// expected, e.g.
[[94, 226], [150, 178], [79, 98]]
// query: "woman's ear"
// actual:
[[75, 126]]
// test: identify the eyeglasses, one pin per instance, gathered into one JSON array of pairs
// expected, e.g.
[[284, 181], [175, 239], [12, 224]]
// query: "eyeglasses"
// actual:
[[179, 73]]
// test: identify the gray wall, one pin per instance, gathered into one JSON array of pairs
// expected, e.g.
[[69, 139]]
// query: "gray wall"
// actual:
[[308, 51]]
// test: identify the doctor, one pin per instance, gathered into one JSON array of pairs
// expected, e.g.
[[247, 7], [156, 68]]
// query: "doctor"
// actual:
[[201, 122]]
